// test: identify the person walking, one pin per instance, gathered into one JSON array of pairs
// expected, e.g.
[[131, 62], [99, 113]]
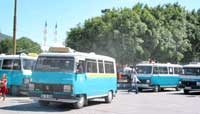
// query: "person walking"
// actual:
[[134, 81], [3, 85]]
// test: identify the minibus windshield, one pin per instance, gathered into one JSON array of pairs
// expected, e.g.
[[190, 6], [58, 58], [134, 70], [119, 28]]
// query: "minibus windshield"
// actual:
[[55, 64], [144, 69], [191, 71]]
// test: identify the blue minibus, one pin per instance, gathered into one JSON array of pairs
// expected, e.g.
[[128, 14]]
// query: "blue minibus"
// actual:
[[158, 76], [18, 71], [73, 77], [190, 79]]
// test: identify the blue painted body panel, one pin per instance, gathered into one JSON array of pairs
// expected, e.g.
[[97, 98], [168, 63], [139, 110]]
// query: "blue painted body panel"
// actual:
[[161, 80], [14, 77], [82, 84]]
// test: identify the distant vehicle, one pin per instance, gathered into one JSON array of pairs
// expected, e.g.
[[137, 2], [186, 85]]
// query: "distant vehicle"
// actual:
[[190, 80], [73, 77], [18, 69], [158, 76]]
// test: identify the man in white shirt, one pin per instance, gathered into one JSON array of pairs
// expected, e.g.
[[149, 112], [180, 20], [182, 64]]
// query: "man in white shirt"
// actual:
[[134, 81]]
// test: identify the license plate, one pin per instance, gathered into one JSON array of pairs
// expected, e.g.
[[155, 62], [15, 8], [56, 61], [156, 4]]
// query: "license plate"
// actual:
[[188, 88], [46, 96]]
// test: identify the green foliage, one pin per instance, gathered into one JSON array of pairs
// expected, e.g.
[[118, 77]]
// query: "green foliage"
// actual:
[[167, 33], [6, 46], [24, 45]]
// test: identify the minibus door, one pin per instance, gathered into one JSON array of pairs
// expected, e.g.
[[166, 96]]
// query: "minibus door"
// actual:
[[80, 76]]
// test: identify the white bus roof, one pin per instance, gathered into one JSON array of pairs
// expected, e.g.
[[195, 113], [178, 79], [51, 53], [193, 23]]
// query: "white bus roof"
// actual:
[[193, 65], [79, 54], [159, 64], [17, 57]]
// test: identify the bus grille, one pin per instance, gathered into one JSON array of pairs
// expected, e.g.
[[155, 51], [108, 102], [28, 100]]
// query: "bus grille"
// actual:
[[49, 87]]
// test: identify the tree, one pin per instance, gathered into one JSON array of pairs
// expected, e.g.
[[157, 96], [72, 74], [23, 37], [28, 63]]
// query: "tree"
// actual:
[[167, 33], [6, 46], [24, 45]]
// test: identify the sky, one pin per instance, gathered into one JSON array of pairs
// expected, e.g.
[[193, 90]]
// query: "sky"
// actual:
[[32, 15]]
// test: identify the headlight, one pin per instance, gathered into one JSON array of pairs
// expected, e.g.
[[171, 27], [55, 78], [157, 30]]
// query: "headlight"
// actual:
[[31, 87], [67, 88], [198, 83], [26, 80], [147, 81]]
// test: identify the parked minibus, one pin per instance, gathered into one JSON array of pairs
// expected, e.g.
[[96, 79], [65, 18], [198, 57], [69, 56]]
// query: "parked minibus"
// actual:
[[158, 76], [73, 77], [190, 80], [18, 71]]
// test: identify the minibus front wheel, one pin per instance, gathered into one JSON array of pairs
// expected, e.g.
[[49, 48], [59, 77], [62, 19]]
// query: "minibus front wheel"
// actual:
[[186, 91], [81, 102], [157, 88], [14, 90]]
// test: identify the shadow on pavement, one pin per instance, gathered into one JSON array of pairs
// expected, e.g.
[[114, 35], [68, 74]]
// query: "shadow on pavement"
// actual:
[[53, 107], [191, 94]]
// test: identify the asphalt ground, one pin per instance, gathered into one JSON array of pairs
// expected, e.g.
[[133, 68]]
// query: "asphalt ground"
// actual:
[[147, 102]]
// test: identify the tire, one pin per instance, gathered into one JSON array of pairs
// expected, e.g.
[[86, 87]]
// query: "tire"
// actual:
[[140, 89], [109, 97], [156, 88], [162, 89], [43, 103], [80, 103], [186, 91], [14, 90], [178, 89]]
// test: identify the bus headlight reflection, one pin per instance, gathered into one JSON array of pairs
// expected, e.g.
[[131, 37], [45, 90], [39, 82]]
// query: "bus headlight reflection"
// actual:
[[26, 80], [198, 83], [147, 81], [67, 88]]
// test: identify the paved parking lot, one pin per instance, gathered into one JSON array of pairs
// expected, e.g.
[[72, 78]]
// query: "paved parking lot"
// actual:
[[167, 102]]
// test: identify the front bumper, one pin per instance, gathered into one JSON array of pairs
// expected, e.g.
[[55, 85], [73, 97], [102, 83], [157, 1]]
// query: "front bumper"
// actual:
[[144, 86], [190, 85], [64, 98]]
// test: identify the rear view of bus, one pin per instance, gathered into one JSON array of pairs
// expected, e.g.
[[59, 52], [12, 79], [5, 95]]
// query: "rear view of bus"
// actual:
[[191, 77], [73, 77]]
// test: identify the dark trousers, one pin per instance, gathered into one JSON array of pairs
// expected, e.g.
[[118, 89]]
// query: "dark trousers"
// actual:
[[133, 87]]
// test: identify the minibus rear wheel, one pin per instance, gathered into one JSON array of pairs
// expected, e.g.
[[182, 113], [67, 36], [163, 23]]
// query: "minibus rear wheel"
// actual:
[[109, 97], [156, 88]]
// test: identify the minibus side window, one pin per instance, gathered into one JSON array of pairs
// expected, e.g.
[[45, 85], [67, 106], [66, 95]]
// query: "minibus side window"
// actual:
[[163, 70], [101, 68], [91, 66], [155, 70], [0, 63], [16, 64], [7, 64], [170, 70], [177, 70], [109, 67], [81, 66]]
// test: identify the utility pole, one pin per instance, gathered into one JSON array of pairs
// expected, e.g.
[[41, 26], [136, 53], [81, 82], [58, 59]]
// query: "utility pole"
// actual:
[[14, 28]]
